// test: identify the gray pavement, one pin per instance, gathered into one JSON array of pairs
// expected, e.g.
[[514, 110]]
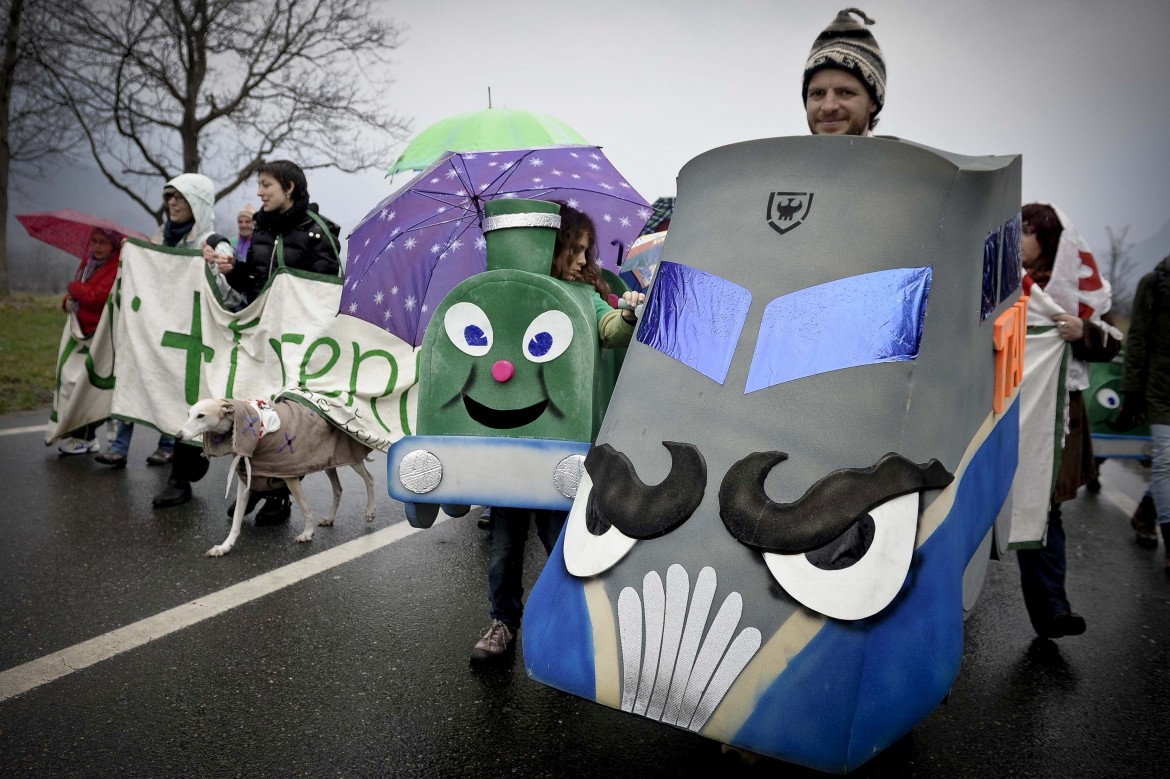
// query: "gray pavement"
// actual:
[[361, 669]]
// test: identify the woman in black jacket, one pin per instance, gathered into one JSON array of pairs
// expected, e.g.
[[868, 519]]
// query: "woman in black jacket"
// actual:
[[290, 233]]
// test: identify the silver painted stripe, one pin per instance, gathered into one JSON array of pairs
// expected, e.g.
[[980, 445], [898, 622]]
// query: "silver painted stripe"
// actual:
[[718, 637], [630, 629], [521, 220], [654, 608], [689, 647], [742, 650], [678, 589]]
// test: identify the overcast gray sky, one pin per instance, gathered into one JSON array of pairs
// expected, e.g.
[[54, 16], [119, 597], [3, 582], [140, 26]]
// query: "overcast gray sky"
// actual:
[[1078, 87]]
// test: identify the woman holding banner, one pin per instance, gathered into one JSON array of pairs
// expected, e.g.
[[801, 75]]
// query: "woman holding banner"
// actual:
[[85, 298], [1067, 291], [189, 224], [288, 233]]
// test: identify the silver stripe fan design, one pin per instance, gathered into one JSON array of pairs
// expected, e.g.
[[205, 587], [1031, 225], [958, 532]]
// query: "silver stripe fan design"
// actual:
[[676, 669]]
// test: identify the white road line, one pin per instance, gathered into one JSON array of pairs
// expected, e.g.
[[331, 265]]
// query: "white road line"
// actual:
[[22, 678], [1125, 504], [21, 430]]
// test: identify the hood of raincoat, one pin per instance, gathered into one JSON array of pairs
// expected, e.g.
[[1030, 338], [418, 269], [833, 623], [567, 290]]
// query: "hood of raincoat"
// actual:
[[198, 190]]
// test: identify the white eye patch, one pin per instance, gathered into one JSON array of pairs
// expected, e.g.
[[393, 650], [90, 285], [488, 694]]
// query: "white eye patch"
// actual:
[[547, 337], [868, 585], [585, 553], [469, 328]]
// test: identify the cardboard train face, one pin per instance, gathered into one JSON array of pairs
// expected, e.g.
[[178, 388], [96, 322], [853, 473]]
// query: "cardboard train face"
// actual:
[[1103, 403], [507, 406], [809, 445]]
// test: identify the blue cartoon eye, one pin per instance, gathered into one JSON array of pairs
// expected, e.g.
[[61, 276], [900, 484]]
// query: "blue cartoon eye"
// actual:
[[1108, 398], [548, 336], [469, 328], [474, 336]]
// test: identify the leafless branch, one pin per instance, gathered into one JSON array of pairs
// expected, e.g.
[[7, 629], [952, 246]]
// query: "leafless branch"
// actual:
[[161, 87]]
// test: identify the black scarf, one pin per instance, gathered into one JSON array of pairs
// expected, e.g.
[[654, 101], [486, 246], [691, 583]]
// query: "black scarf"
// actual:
[[173, 232]]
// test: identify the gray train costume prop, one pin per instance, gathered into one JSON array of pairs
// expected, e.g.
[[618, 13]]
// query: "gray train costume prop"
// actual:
[[794, 494]]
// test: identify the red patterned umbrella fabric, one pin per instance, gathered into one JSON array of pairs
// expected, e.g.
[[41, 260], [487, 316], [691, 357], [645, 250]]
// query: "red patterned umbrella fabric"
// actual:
[[69, 230]]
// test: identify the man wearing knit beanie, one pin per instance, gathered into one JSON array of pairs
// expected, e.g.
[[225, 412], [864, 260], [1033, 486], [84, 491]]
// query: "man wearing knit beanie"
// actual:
[[845, 78]]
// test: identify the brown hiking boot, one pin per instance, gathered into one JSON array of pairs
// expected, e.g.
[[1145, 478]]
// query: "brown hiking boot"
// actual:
[[1142, 522], [498, 641]]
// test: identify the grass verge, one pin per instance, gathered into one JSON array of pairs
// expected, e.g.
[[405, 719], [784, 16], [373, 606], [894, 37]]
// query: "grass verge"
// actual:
[[30, 332]]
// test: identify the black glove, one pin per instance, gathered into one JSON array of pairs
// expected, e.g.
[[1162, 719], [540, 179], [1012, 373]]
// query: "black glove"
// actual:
[[215, 239], [1133, 411]]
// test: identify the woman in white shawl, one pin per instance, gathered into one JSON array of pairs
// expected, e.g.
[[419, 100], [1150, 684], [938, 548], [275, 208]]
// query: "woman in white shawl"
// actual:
[[188, 223], [1064, 287]]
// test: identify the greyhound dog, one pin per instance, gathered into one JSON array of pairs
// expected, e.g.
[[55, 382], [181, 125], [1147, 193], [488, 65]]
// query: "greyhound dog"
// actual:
[[279, 442]]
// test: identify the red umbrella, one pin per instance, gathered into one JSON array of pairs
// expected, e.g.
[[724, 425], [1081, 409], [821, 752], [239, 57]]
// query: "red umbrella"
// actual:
[[69, 230]]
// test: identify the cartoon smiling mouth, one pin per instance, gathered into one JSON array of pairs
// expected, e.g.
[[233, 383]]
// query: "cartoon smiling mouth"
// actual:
[[502, 419]]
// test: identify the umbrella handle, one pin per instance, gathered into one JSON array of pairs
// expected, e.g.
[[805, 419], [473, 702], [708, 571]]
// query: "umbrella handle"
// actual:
[[621, 249]]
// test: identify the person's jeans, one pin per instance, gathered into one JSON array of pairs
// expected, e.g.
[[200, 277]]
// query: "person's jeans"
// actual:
[[1042, 573], [125, 432], [1160, 471], [506, 539]]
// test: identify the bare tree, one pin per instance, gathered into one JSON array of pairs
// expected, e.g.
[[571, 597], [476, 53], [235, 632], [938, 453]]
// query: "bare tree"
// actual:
[[1120, 268], [33, 127], [162, 87]]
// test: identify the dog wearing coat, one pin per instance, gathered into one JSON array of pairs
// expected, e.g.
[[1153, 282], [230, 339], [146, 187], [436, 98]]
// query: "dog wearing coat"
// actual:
[[274, 444]]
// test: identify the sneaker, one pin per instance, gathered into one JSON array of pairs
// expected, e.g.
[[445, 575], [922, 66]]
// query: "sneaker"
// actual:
[[160, 457], [113, 459], [71, 446], [497, 642]]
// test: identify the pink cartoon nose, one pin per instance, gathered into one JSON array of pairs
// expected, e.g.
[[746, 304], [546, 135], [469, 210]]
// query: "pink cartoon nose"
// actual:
[[503, 370]]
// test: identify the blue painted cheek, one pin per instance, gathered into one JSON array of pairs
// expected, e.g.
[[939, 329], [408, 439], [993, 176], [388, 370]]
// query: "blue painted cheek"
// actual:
[[474, 336], [540, 345]]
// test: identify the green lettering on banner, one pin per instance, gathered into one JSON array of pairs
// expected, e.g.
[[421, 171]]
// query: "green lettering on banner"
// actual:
[[101, 382], [403, 411], [70, 345], [306, 376], [237, 328], [358, 358], [292, 338], [192, 344]]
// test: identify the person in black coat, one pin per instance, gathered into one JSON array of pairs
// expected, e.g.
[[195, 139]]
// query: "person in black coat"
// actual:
[[289, 232]]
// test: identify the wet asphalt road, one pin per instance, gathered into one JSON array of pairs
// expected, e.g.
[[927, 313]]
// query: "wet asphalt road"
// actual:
[[362, 669]]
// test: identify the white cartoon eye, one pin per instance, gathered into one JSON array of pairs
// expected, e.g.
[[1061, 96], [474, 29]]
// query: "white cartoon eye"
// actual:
[[469, 329], [1108, 398], [587, 554], [867, 586], [548, 336]]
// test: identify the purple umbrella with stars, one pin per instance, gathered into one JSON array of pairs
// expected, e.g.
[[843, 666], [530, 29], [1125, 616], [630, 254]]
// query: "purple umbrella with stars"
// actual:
[[417, 244]]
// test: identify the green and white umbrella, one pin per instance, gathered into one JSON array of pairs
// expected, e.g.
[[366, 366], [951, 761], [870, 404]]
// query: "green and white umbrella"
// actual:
[[492, 129]]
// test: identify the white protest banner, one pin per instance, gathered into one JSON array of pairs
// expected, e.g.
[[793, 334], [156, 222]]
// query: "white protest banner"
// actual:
[[1043, 402], [175, 343], [85, 377]]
